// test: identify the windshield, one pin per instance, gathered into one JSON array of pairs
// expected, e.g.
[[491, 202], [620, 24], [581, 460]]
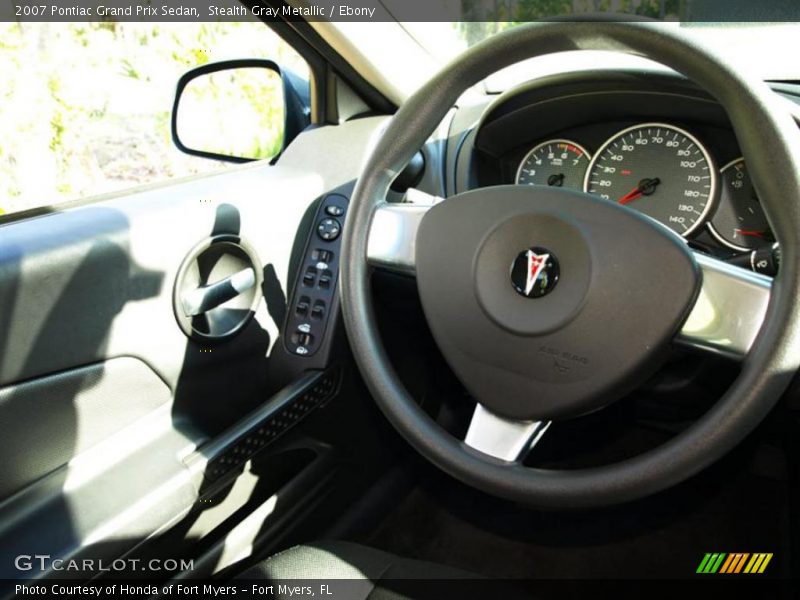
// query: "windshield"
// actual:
[[770, 49]]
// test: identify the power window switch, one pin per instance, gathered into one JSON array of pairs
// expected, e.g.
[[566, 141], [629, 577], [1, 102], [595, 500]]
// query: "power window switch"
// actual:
[[318, 310], [302, 306], [325, 279], [310, 277]]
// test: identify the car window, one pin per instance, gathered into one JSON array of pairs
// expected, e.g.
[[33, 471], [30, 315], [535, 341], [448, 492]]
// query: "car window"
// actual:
[[86, 106]]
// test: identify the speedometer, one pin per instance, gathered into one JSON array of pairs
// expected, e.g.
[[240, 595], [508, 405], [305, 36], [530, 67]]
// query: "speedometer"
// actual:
[[659, 170]]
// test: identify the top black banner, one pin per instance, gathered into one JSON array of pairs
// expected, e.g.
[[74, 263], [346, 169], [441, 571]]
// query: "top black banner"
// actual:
[[397, 10]]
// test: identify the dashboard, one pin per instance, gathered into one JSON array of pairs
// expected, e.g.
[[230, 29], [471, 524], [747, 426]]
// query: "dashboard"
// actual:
[[652, 142]]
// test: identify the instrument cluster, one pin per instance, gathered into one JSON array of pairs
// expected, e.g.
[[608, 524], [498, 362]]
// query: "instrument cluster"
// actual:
[[663, 171]]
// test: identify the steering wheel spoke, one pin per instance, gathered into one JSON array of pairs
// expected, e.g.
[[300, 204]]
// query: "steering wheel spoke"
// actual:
[[725, 319], [729, 309], [506, 439], [393, 231]]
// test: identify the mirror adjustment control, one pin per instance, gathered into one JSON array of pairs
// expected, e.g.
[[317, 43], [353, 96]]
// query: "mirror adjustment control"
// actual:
[[329, 229]]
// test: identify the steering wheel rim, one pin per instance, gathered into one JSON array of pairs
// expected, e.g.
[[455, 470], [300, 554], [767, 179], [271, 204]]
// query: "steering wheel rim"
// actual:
[[763, 128]]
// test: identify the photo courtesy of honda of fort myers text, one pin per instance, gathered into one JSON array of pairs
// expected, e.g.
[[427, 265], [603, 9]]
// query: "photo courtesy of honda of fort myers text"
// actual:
[[109, 490]]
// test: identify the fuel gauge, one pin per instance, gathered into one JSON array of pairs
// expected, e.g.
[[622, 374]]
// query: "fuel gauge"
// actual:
[[739, 221]]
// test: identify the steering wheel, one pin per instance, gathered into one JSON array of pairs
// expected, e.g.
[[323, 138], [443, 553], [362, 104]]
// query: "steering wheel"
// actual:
[[549, 303]]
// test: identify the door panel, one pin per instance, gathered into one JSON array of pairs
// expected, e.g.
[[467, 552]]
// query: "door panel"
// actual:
[[105, 403], [97, 281], [105, 397]]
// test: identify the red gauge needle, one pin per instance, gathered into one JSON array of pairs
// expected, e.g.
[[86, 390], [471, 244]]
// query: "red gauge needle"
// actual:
[[751, 232], [645, 187], [630, 196]]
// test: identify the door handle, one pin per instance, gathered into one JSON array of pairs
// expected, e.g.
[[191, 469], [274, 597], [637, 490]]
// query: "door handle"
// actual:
[[201, 300]]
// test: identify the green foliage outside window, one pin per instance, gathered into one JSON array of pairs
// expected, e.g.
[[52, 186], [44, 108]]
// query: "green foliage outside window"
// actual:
[[86, 106]]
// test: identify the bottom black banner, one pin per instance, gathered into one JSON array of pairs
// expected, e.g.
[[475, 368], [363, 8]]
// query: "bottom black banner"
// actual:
[[412, 589]]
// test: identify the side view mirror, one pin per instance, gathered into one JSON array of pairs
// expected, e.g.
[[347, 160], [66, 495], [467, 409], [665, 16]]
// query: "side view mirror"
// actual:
[[239, 110]]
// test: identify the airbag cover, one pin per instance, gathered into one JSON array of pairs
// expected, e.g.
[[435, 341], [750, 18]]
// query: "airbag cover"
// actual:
[[625, 285]]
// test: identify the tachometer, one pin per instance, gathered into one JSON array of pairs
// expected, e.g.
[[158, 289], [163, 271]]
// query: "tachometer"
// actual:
[[558, 163], [660, 170], [739, 222]]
